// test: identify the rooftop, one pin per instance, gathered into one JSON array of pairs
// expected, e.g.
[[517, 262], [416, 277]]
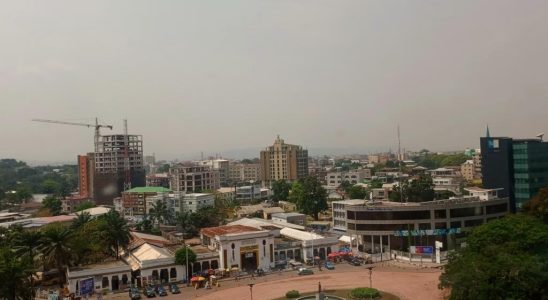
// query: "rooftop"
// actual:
[[227, 229], [350, 202], [287, 215], [299, 235], [148, 189]]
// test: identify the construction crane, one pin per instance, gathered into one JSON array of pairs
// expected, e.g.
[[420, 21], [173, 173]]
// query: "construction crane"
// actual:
[[97, 126]]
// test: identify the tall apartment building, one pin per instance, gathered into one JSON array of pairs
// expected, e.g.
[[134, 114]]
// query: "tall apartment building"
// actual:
[[283, 161], [108, 161], [192, 178], [105, 168], [518, 166], [221, 165], [244, 172], [468, 170]]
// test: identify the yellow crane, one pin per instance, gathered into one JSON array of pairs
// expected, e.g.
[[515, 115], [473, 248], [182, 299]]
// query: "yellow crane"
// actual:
[[96, 126]]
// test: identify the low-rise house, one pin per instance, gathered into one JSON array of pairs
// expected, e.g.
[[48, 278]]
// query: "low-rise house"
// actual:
[[108, 276], [293, 218]]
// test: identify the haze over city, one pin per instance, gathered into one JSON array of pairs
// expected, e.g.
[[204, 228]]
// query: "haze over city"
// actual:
[[335, 76]]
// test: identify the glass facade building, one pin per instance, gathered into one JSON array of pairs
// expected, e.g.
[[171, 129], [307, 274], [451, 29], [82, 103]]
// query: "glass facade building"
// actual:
[[530, 159]]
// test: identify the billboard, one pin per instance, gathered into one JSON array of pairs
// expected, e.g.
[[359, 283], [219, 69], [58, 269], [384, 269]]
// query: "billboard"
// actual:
[[86, 286], [421, 249]]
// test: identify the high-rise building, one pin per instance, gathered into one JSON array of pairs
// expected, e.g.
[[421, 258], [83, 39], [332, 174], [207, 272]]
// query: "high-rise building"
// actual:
[[519, 166], [107, 166], [283, 161], [241, 172], [191, 178]]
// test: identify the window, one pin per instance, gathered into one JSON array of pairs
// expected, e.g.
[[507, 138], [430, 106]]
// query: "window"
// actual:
[[466, 212]]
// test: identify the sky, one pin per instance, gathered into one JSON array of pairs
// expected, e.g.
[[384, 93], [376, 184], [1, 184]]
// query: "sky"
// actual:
[[226, 77]]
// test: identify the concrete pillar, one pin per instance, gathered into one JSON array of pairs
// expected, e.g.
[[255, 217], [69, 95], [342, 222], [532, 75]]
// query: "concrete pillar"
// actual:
[[372, 244], [380, 237]]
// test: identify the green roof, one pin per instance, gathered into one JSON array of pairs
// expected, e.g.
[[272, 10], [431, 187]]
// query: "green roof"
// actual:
[[148, 189]]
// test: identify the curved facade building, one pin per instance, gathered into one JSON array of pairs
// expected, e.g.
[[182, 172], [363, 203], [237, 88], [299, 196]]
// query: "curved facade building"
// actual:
[[383, 226]]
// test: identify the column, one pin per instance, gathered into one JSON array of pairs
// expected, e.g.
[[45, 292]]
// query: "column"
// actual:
[[372, 245], [380, 237]]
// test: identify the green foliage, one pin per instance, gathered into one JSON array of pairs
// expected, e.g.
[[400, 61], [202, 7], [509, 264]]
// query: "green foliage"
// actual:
[[184, 223], [433, 161], [159, 213], [206, 217], [309, 196], [364, 293], [15, 276], [115, 231], [55, 247], [358, 192], [84, 205], [164, 168], [292, 294], [181, 254], [53, 204], [250, 161], [375, 184], [504, 259], [345, 185], [417, 190], [538, 205], [280, 190]]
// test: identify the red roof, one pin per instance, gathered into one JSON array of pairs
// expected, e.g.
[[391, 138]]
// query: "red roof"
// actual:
[[227, 229]]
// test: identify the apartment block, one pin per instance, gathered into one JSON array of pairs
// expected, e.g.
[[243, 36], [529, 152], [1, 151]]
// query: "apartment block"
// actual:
[[192, 178], [334, 179], [244, 172], [283, 161]]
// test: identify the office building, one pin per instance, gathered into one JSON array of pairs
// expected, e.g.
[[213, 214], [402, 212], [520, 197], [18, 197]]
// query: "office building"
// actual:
[[191, 178], [518, 166], [283, 161]]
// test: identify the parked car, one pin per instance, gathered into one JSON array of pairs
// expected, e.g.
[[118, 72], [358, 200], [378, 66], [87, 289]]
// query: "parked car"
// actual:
[[305, 271], [149, 292], [134, 293], [329, 265], [355, 262], [174, 289], [161, 291]]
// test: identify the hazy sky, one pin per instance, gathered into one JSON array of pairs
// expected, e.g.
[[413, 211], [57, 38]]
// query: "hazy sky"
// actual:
[[215, 76]]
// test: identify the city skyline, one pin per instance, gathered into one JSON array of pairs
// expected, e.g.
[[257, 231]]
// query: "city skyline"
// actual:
[[198, 77]]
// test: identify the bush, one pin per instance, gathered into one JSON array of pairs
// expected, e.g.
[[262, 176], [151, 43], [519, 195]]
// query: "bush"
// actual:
[[364, 293], [292, 294]]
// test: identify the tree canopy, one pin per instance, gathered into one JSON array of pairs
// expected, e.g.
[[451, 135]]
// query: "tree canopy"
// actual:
[[280, 190], [416, 190], [538, 205], [433, 160], [504, 259], [309, 196]]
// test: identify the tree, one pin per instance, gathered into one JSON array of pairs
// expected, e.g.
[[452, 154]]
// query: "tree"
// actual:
[[27, 242], [15, 276], [375, 184], [53, 204], [358, 192], [504, 259], [280, 190], [159, 213], [81, 219], [206, 217], [345, 186], [115, 231], [164, 168], [309, 196], [184, 222], [56, 247], [181, 254], [538, 205], [84, 206], [88, 243], [52, 187], [419, 189]]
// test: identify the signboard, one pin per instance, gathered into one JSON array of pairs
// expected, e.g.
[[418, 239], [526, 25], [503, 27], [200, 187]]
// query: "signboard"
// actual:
[[87, 286], [427, 232], [422, 249]]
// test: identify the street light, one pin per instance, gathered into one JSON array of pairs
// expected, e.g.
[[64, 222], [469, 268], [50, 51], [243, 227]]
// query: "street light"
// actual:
[[251, 289], [370, 280]]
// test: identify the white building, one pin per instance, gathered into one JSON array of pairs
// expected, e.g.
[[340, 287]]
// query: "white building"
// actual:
[[334, 179], [312, 244], [242, 247], [195, 201], [110, 276], [291, 217], [339, 212]]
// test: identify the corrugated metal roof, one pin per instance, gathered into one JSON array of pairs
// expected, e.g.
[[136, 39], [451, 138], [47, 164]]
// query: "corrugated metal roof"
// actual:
[[299, 235]]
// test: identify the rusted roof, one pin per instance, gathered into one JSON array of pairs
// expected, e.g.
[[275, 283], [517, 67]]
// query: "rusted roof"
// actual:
[[227, 229]]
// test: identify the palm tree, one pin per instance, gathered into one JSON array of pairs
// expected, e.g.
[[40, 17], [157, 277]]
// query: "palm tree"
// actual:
[[56, 248], [184, 222], [16, 276], [160, 213], [27, 242], [116, 231], [81, 219]]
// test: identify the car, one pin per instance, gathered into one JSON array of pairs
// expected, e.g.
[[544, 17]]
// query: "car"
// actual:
[[174, 289], [149, 292], [161, 291], [134, 293], [355, 262], [329, 265], [305, 271]]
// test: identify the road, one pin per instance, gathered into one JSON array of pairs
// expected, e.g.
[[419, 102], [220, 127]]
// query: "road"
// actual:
[[405, 283]]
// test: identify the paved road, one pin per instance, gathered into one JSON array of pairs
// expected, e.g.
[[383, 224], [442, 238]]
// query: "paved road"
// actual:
[[403, 282]]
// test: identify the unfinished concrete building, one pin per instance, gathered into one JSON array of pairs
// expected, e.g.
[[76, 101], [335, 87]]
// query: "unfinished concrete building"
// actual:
[[107, 175]]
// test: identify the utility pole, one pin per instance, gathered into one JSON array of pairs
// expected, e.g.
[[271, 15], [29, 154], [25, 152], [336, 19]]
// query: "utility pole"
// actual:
[[251, 289]]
